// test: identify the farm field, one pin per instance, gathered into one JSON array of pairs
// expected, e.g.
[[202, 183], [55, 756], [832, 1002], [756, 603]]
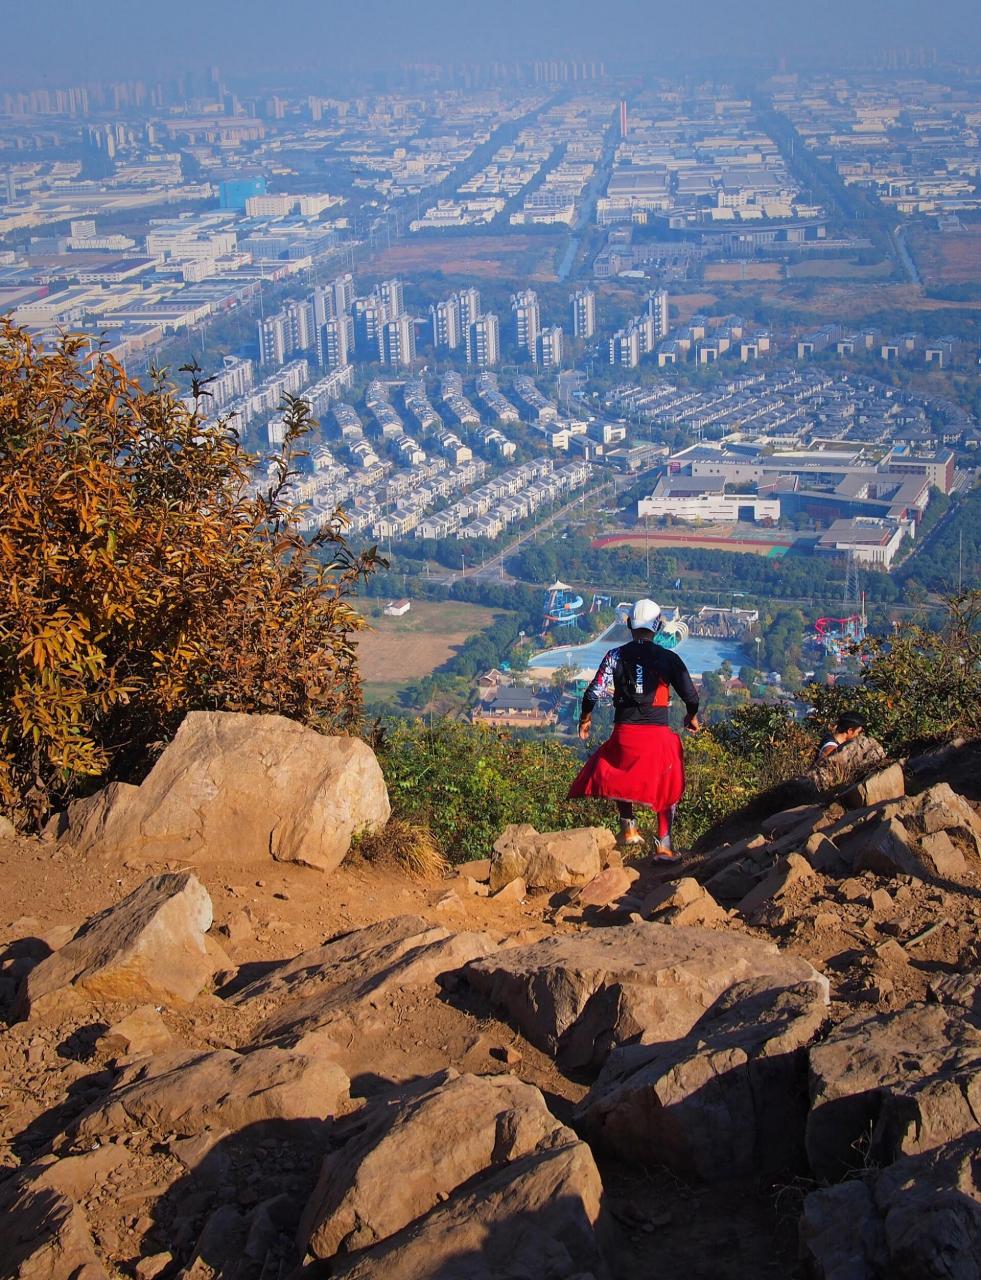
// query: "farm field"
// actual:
[[949, 257], [743, 271], [399, 650], [483, 256], [838, 269]]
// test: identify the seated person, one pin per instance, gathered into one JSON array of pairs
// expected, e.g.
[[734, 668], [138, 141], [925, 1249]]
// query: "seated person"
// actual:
[[849, 727], [845, 755]]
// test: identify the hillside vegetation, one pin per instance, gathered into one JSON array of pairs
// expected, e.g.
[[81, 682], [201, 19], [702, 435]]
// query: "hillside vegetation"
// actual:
[[142, 578]]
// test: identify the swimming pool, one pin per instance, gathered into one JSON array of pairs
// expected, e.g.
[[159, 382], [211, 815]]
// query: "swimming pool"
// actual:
[[699, 654]]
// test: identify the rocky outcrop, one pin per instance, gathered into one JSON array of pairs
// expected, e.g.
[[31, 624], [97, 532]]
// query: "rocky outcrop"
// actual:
[[190, 1093], [684, 902], [727, 1100], [537, 1216], [581, 996], [440, 1134], [891, 1085], [919, 1219], [152, 945], [549, 860], [263, 785], [44, 1235], [347, 992]]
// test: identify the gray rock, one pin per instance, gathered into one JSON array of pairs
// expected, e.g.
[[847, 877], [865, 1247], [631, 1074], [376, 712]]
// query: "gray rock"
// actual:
[[534, 1218], [440, 1134], [919, 1219], [727, 1100], [150, 946], [579, 996], [549, 860], [891, 1085], [187, 1092]]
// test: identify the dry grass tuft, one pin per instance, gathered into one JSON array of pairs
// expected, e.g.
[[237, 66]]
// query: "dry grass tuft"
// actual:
[[408, 846]]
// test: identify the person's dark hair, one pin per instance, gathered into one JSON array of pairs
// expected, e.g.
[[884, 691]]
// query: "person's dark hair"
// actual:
[[850, 720], [641, 633]]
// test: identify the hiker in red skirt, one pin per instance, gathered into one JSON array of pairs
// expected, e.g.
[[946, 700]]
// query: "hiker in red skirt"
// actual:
[[642, 762]]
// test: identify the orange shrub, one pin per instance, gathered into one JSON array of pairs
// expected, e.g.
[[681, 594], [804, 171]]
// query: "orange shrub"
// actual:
[[140, 577]]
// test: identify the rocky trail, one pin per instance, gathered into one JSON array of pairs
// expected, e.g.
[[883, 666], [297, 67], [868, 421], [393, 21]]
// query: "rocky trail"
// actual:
[[232, 1049]]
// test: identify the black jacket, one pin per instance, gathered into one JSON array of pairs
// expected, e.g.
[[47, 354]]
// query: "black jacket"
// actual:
[[640, 676]]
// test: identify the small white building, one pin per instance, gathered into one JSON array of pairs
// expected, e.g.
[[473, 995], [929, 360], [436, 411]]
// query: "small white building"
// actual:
[[397, 608]]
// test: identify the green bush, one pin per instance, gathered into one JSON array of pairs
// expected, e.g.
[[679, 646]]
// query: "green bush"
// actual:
[[920, 685], [466, 782]]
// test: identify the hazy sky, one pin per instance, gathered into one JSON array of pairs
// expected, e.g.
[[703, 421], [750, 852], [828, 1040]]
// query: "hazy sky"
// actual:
[[53, 41]]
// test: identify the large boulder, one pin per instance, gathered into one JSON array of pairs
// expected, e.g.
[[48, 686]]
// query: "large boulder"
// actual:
[[890, 1085], [884, 784], [244, 785], [440, 1134], [549, 860], [188, 1092], [942, 809], [726, 1100], [579, 996], [349, 957], [44, 1235], [890, 849], [150, 946], [919, 1219], [535, 1217], [847, 765]]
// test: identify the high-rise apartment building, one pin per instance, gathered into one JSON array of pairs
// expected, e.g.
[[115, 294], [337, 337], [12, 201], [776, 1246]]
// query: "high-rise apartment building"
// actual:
[[370, 317], [324, 304], [625, 348], [336, 344], [398, 346], [527, 321], [657, 308], [343, 287], [469, 302], [584, 313], [484, 341], [392, 294], [549, 347], [275, 339], [448, 326], [302, 327]]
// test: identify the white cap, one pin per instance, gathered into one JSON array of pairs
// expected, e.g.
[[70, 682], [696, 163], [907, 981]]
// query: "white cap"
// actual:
[[646, 614]]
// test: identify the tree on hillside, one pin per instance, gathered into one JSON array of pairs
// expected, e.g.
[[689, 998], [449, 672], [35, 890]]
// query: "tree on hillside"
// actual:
[[142, 578]]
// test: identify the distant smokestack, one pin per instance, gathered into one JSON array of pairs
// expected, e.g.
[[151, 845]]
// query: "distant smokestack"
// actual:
[[623, 118]]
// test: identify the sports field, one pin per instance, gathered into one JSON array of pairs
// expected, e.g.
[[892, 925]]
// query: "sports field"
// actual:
[[759, 546]]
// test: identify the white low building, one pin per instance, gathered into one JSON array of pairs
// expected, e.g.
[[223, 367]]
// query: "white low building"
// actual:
[[705, 498], [868, 540]]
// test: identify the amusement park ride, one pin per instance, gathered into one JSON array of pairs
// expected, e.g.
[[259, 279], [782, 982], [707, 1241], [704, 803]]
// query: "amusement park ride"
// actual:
[[564, 607], [838, 635]]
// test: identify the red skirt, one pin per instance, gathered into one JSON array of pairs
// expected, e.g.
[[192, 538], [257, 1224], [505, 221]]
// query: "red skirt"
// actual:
[[642, 763]]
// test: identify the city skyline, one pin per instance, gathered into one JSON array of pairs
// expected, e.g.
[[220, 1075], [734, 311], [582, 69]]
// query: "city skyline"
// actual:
[[43, 45]]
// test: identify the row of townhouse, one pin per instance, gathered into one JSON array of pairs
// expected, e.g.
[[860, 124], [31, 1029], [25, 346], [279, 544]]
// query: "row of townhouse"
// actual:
[[528, 499], [494, 400], [419, 406]]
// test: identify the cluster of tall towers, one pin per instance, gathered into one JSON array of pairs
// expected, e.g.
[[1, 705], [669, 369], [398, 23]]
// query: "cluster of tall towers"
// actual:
[[338, 326]]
